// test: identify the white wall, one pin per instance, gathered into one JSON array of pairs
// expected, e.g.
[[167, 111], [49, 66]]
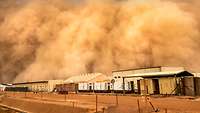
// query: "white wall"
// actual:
[[134, 81], [196, 74], [102, 86], [118, 84], [83, 86]]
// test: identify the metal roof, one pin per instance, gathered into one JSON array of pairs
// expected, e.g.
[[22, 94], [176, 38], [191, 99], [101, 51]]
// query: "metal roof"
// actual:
[[136, 69], [102, 78], [161, 74], [32, 82], [83, 78]]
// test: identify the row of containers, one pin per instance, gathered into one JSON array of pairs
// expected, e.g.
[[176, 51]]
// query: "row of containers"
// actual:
[[143, 81]]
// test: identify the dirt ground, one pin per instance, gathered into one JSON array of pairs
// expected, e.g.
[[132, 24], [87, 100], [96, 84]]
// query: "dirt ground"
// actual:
[[85, 103]]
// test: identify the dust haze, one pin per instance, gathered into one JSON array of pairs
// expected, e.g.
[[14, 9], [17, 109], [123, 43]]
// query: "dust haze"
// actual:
[[55, 39]]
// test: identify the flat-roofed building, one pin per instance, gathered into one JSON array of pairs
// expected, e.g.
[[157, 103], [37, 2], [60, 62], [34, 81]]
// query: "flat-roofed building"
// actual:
[[36, 86], [91, 82], [154, 80]]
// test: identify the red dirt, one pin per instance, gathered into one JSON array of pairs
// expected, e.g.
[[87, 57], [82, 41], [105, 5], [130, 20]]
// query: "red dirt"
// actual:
[[54, 103]]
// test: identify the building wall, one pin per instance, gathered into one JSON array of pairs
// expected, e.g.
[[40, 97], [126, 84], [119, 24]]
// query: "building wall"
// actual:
[[188, 83], [197, 85], [134, 79], [83, 86], [167, 85], [52, 84], [196, 74], [46, 86], [2, 87], [118, 84], [41, 86], [146, 86], [102, 86], [66, 88], [38, 86]]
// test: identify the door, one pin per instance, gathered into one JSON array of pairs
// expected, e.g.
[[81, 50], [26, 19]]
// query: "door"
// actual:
[[90, 86], [156, 89], [108, 86], [132, 87], [138, 87]]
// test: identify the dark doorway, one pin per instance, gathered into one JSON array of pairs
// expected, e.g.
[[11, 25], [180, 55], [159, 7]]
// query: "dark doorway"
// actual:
[[108, 86], [156, 89], [90, 87], [132, 87], [138, 87]]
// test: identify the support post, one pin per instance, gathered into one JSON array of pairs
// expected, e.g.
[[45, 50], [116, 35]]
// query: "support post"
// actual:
[[93, 87], [123, 86]]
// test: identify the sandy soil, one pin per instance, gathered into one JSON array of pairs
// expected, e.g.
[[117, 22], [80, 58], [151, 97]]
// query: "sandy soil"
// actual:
[[82, 103]]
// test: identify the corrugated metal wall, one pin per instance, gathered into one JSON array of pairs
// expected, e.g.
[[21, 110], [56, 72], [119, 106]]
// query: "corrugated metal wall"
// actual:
[[167, 85], [188, 86], [146, 86], [197, 85], [52, 84]]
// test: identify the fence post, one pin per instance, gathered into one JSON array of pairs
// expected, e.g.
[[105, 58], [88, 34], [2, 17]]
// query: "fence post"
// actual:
[[165, 110], [73, 103], [41, 95], [117, 100], [25, 93], [103, 109], [65, 96], [138, 103], [96, 103], [5, 93], [73, 106]]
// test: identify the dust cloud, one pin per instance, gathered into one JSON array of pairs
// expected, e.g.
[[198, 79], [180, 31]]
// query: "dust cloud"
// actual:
[[55, 39]]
